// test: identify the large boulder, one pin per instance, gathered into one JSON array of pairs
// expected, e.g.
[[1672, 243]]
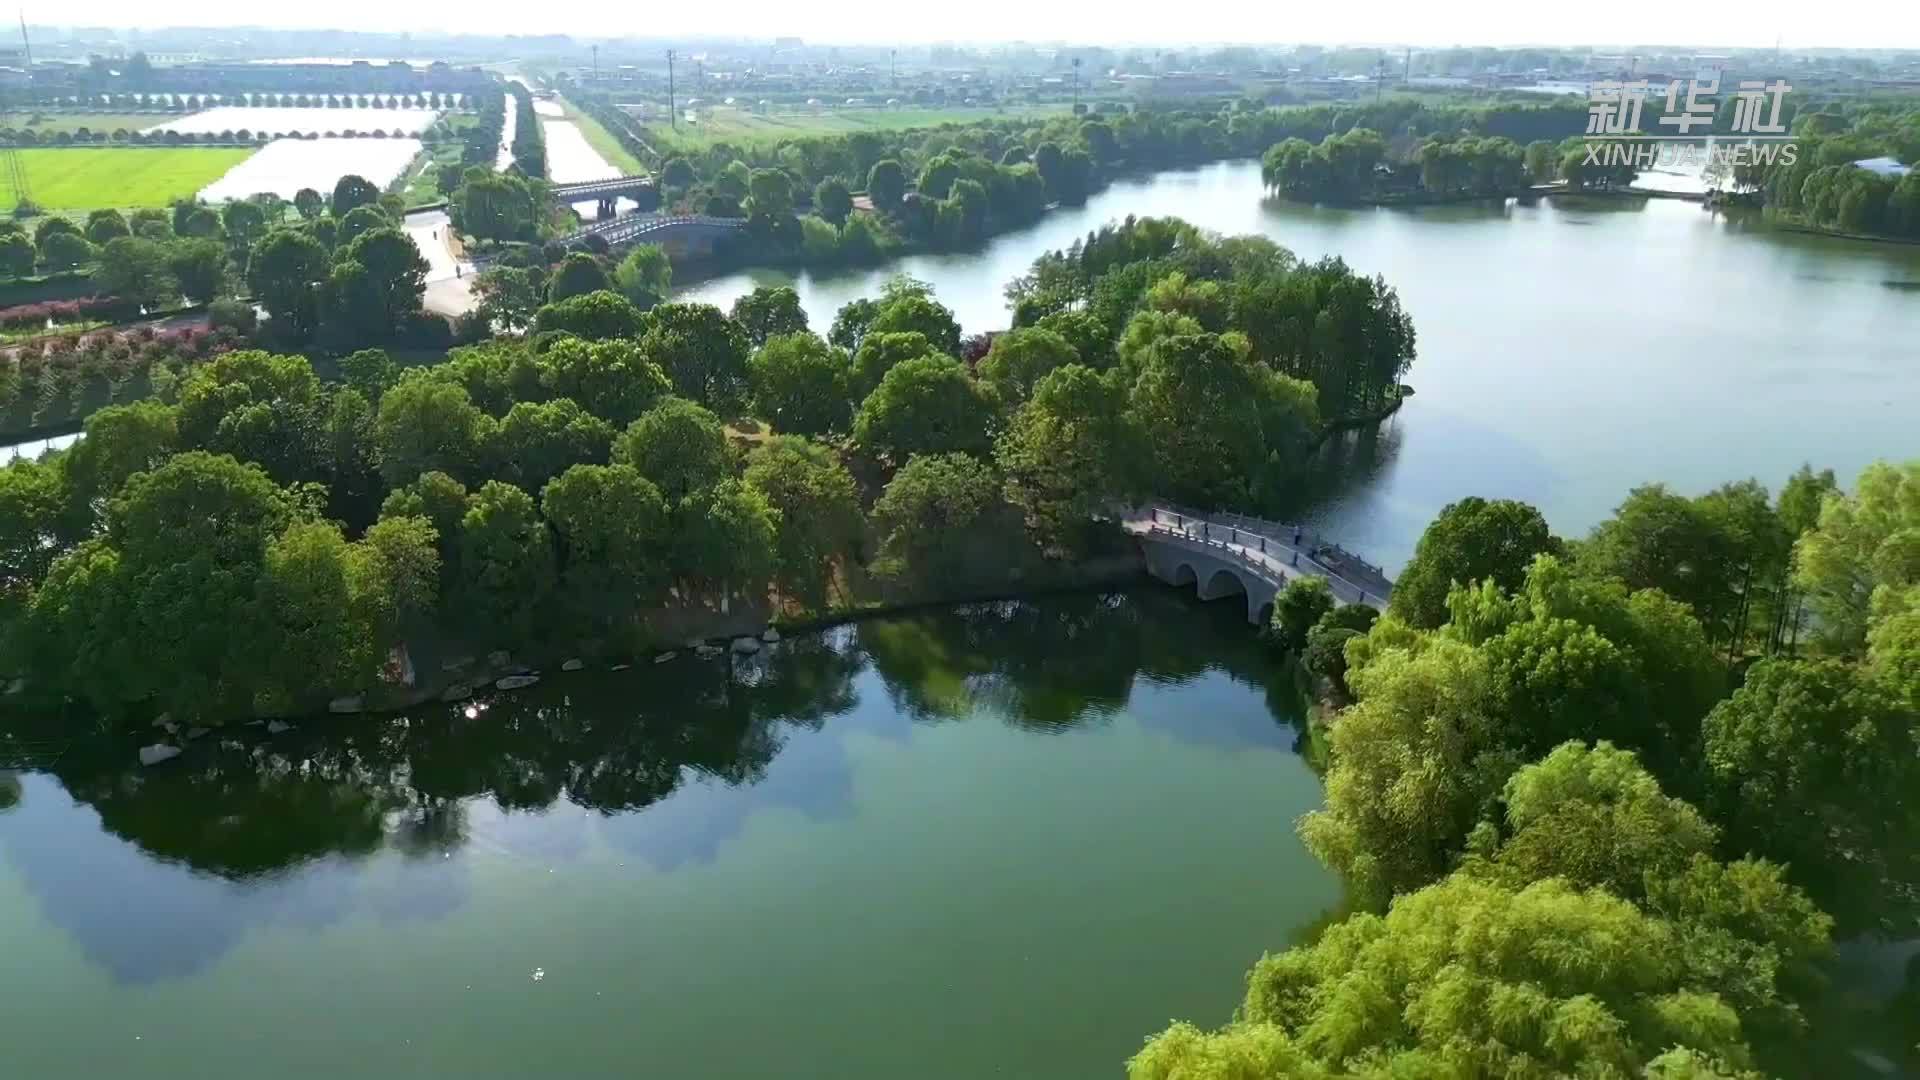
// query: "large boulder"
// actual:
[[351, 703], [746, 646], [515, 682], [574, 664], [770, 636], [157, 753]]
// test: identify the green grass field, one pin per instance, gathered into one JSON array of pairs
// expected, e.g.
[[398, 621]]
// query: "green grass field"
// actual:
[[87, 178], [742, 127]]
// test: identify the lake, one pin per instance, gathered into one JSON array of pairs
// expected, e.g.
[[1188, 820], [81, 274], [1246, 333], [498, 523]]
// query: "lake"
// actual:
[[1567, 352], [1010, 839]]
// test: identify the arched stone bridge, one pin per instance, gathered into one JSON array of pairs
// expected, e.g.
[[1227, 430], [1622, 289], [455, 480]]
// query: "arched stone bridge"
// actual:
[[1223, 555], [680, 234]]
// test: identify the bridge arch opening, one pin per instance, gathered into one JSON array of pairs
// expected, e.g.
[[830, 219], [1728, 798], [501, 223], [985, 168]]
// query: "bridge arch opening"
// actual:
[[1223, 583], [1184, 575]]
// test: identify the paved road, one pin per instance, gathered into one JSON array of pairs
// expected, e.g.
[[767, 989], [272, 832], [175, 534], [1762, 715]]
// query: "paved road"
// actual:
[[448, 278]]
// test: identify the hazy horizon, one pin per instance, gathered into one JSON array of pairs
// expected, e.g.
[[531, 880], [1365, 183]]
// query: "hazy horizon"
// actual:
[[1123, 23]]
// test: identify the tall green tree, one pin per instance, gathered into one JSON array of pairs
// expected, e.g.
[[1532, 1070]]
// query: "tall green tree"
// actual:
[[1472, 540], [819, 508], [928, 405], [506, 561], [285, 271], [800, 385], [644, 276], [701, 350], [577, 275], [677, 445], [769, 311], [614, 539], [612, 380], [1069, 452]]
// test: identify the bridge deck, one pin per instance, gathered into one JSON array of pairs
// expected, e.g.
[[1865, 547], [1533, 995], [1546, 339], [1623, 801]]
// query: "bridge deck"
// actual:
[[629, 227], [1272, 558]]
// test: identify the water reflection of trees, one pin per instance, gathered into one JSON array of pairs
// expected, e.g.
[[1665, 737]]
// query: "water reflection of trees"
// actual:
[[1348, 462], [240, 804]]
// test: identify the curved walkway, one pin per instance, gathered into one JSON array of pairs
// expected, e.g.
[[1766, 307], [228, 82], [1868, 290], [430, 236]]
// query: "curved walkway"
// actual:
[[1269, 553]]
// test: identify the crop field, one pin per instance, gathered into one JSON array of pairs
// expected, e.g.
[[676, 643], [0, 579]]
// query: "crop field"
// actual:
[[88, 178], [53, 123], [743, 126], [284, 166]]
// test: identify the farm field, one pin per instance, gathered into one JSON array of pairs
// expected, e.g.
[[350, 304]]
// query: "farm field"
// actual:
[[88, 178], [741, 126], [284, 166], [44, 124]]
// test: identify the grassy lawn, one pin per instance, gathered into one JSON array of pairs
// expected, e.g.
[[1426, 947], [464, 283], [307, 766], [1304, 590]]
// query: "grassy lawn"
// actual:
[[742, 127], [84, 178], [603, 142], [49, 123]]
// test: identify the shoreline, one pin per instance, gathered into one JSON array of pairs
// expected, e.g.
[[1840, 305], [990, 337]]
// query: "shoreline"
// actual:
[[715, 639]]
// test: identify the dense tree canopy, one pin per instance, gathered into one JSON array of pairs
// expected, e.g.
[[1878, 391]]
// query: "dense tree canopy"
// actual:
[[1472, 540]]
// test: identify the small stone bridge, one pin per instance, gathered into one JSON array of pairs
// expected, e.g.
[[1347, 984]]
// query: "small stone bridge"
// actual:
[[606, 193], [1231, 555], [681, 235]]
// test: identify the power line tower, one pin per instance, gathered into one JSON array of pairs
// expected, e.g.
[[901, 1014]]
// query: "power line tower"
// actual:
[[673, 114], [11, 169]]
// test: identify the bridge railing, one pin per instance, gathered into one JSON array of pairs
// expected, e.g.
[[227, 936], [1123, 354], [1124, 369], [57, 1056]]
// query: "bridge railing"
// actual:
[[1270, 553], [1301, 536]]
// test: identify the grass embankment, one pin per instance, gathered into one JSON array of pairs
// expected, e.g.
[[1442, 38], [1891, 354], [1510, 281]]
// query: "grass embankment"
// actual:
[[124, 177], [743, 127], [603, 142]]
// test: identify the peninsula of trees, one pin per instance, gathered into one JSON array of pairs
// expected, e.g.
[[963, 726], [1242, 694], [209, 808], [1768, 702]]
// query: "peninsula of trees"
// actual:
[[256, 540]]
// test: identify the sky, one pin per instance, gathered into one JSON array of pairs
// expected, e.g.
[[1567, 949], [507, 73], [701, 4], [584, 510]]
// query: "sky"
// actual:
[[1880, 24]]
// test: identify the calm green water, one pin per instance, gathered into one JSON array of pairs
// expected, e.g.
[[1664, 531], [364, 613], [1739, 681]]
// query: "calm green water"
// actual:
[[1565, 354], [1007, 841]]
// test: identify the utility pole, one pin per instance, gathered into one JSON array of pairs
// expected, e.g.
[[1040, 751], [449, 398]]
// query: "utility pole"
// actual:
[[673, 114], [1406, 73], [596, 65], [892, 80], [1076, 86], [10, 165]]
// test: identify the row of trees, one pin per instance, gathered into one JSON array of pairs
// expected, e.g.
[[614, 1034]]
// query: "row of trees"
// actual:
[[230, 137], [1598, 857], [1817, 184], [127, 103], [529, 140], [1360, 166]]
